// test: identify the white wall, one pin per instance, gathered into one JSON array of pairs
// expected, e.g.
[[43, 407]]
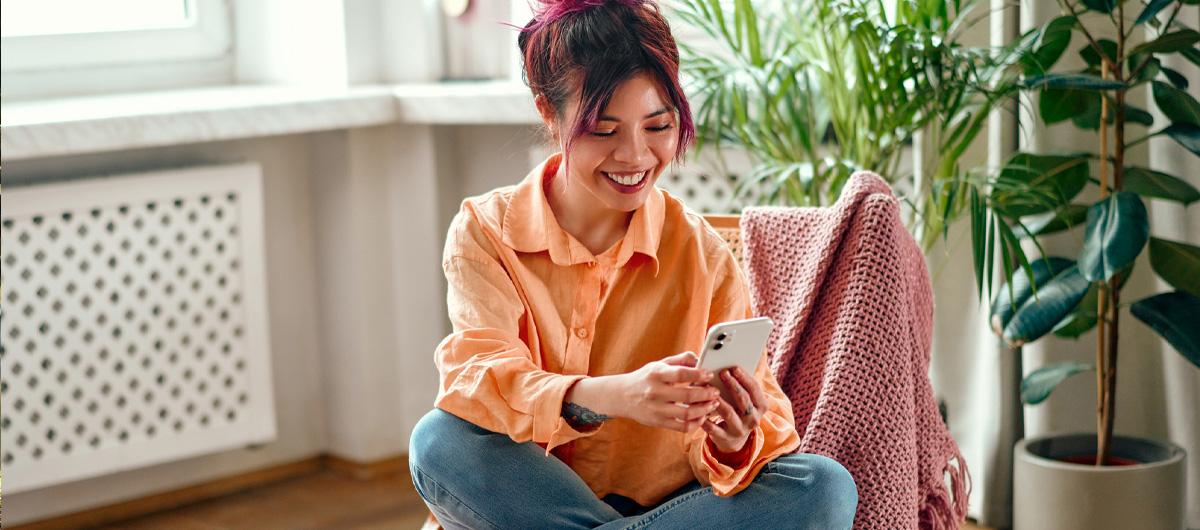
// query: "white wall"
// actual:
[[355, 224]]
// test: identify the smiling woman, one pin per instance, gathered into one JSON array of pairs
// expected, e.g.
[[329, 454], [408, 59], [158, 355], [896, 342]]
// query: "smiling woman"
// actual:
[[577, 299]]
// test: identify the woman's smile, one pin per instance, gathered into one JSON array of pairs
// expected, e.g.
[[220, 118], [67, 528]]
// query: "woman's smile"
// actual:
[[627, 182]]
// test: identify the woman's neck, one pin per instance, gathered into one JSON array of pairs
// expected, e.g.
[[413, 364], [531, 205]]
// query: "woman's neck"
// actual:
[[579, 213]]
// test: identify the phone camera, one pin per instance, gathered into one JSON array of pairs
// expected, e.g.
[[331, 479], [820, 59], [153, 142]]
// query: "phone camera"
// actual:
[[721, 336], [717, 347]]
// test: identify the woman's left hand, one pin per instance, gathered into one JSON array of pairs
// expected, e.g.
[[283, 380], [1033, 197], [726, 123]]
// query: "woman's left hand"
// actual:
[[740, 417]]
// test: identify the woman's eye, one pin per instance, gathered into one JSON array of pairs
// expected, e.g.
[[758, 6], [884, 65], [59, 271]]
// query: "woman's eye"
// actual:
[[602, 133], [662, 128]]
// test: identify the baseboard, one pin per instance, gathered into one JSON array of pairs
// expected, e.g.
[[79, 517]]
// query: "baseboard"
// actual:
[[216, 488], [366, 470]]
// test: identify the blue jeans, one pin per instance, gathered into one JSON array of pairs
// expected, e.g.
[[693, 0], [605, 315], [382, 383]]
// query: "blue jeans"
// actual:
[[474, 478]]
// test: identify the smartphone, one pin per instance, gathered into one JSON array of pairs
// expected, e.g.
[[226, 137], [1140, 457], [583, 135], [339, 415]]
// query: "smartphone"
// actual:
[[734, 343]]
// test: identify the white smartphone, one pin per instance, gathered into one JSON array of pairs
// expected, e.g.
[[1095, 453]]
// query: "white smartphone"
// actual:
[[734, 343]]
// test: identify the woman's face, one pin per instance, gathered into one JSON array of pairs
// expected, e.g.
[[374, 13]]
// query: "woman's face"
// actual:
[[619, 161]]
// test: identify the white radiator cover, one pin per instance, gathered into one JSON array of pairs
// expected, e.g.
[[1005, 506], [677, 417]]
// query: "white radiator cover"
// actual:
[[133, 323]]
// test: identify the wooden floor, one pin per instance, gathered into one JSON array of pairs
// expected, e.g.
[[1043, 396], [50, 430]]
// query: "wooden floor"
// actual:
[[322, 500]]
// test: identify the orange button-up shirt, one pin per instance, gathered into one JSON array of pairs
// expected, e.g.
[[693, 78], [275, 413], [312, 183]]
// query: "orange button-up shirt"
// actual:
[[534, 311]]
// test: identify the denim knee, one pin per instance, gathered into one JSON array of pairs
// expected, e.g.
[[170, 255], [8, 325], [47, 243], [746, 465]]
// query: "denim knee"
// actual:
[[831, 489], [839, 490], [434, 440]]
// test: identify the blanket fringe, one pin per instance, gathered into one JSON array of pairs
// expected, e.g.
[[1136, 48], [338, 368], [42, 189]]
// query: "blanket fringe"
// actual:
[[938, 510]]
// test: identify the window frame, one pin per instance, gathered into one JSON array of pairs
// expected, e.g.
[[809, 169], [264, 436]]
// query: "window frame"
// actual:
[[208, 37]]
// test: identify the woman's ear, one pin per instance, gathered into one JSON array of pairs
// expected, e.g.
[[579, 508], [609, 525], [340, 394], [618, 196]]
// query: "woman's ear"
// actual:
[[546, 110]]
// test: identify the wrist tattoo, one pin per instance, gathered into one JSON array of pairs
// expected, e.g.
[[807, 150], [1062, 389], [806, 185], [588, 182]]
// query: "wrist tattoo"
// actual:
[[580, 416]]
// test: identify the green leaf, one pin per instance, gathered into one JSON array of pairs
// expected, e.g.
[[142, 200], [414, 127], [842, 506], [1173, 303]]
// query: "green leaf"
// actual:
[[1089, 55], [1176, 78], [1103, 6], [1064, 218], [1170, 42], [1055, 37], [1192, 54], [1037, 316], [1058, 104], [1083, 317], [1007, 300], [1176, 104], [1177, 263], [1117, 229], [1185, 134], [1151, 183], [1148, 71], [1137, 115], [1038, 385], [1089, 116], [1030, 183], [1173, 316], [1079, 81], [1152, 9]]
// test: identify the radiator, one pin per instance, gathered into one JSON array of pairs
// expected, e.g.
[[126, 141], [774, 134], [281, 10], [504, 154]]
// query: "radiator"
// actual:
[[708, 188], [133, 323]]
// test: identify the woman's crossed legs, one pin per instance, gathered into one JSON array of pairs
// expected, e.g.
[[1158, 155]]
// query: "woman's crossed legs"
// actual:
[[474, 478]]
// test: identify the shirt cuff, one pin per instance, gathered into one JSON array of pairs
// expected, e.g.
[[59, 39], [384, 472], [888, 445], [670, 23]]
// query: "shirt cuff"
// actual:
[[548, 422], [736, 459], [725, 479]]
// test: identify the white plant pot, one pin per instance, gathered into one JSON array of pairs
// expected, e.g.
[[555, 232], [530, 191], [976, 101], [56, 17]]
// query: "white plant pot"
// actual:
[[1054, 495]]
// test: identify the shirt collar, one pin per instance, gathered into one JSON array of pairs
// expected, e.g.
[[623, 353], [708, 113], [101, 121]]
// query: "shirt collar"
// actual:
[[529, 224]]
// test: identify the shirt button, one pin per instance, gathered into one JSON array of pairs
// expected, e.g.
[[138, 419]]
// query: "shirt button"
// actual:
[[591, 264], [581, 333]]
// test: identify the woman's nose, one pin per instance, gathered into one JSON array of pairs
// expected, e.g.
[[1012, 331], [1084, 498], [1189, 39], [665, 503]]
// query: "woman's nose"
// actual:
[[633, 150]]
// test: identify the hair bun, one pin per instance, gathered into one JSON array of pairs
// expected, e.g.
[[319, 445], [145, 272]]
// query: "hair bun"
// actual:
[[551, 10]]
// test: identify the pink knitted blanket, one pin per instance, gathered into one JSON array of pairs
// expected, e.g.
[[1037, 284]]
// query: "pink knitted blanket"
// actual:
[[852, 303]]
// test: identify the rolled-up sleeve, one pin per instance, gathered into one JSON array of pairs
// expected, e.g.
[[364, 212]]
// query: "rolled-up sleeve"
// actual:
[[488, 375], [776, 431]]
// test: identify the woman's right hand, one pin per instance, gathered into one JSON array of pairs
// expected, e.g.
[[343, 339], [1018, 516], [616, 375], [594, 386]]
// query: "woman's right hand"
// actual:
[[670, 393]]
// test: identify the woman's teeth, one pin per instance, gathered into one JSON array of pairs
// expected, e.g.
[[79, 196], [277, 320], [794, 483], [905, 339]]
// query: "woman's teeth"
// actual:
[[627, 179]]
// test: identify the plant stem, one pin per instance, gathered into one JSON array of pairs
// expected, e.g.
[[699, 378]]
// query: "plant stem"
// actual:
[[1102, 298], [1086, 33], [1113, 291]]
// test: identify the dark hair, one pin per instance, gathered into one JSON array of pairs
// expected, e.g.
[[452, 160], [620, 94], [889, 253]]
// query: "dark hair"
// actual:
[[596, 45]]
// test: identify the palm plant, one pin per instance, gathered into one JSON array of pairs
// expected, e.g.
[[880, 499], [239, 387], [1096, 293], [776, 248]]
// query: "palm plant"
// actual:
[[816, 92], [1033, 196]]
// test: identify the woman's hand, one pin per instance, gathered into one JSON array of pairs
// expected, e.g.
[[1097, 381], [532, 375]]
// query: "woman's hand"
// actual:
[[670, 393], [739, 418]]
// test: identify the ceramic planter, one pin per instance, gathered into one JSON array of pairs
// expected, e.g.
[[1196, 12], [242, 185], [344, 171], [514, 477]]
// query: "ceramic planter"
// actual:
[[1051, 494]]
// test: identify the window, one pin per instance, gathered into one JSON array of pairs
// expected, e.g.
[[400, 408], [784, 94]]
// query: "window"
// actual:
[[41, 35]]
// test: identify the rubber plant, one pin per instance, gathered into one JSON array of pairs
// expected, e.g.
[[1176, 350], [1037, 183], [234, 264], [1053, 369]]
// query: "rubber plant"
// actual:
[[1033, 196]]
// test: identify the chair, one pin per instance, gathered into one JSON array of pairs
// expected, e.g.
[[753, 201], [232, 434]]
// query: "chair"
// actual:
[[727, 225]]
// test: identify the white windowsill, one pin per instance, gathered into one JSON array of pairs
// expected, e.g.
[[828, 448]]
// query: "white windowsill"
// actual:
[[68, 126]]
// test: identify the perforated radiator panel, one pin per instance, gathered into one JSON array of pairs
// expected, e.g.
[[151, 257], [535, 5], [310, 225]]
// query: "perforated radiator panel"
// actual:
[[133, 323]]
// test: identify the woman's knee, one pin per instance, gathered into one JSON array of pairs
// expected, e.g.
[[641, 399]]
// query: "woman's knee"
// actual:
[[830, 487], [435, 440]]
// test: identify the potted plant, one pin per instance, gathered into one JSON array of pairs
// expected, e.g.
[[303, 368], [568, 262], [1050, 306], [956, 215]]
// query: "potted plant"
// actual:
[[1094, 480], [813, 92]]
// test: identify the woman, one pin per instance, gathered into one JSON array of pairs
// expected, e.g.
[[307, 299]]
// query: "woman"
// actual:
[[578, 297]]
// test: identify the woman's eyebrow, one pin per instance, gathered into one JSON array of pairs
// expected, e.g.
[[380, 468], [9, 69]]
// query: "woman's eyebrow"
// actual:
[[605, 117]]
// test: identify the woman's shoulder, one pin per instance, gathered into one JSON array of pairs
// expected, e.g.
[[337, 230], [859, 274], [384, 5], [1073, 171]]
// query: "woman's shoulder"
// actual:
[[478, 222], [685, 227]]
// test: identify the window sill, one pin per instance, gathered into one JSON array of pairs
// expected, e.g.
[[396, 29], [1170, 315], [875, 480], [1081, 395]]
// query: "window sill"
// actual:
[[77, 125]]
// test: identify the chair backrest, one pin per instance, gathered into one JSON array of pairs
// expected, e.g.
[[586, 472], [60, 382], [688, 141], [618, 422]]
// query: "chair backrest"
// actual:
[[727, 225]]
